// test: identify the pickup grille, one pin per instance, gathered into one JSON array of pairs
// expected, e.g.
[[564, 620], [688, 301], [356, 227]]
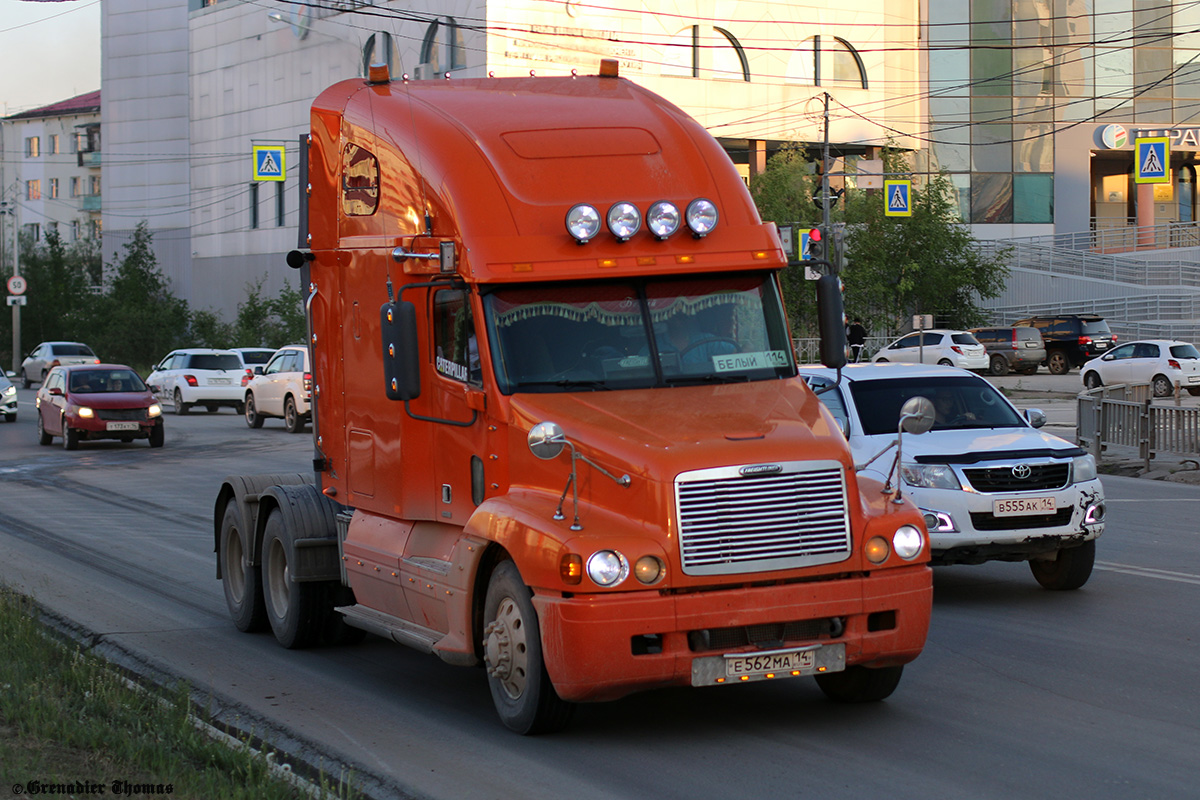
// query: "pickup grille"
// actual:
[[730, 523], [1042, 477]]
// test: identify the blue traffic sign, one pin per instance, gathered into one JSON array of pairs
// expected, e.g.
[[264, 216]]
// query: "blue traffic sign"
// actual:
[[269, 162], [1152, 156], [897, 198]]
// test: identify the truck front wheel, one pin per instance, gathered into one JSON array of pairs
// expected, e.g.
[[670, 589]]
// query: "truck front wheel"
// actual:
[[241, 580], [860, 684], [521, 689], [296, 611]]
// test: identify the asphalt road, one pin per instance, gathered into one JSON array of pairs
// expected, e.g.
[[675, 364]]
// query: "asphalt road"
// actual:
[[1020, 693]]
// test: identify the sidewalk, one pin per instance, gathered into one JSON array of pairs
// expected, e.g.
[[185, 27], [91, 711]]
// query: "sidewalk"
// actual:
[[1055, 395]]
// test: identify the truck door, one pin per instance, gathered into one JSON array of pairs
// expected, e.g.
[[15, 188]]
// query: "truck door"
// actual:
[[457, 370]]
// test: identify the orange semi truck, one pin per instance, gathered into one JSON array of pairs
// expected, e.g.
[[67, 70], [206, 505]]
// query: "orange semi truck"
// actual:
[[558, 427]]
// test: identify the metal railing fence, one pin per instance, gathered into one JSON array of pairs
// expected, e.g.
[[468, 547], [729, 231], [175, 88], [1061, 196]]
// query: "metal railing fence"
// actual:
[[1126, 416]]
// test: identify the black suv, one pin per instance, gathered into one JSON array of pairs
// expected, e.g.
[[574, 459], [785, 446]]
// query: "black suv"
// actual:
[[1071, 339]]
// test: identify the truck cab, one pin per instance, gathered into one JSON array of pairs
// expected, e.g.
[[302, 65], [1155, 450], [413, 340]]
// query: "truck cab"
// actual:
[[558, 428]]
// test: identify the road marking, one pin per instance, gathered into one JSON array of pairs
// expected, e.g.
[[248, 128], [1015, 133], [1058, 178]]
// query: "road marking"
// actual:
[[1146, 572]]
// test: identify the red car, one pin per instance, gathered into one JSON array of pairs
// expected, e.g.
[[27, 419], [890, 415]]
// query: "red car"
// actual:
[[97, 401]]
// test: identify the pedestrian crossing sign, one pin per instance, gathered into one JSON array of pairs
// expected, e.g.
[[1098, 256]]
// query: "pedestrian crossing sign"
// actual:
[[897, 198], [268, 162], [1153, 154]]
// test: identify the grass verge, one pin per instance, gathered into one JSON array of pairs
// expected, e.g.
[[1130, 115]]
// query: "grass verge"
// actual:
[[72, 724]]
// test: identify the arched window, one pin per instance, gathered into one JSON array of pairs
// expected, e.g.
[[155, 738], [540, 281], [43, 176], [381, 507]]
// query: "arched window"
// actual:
[[729, 59], [826, 61], [680, 54], [380, 49], [443, 47]]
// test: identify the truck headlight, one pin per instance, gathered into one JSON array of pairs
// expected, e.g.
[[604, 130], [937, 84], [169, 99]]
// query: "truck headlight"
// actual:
[[663, 219], [930, 476], [583, 222], [624, 220], [907, 542], [1083, 468], [701, 217], [607, 567]]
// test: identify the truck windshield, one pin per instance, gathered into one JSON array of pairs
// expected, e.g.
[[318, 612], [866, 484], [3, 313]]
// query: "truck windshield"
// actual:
[[637, 334]]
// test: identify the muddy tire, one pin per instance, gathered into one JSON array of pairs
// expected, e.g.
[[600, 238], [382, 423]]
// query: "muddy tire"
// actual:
[[521, 689], [858, 684], [250, 412], [291, 417], [998, 366], [1058, 363], [1069, 570]]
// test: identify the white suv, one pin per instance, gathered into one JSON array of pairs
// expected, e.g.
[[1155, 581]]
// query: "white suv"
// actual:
[[199, 377], [282, 389]]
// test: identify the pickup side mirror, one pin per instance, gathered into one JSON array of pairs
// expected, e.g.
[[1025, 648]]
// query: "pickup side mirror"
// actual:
[[401, 369], [1036, 417]]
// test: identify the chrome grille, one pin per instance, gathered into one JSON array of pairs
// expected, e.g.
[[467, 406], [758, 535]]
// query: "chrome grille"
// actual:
[[1042, 477], [732, 523]]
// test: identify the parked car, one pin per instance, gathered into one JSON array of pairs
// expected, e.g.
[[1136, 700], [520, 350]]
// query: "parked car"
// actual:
[[1012, 349], [950, 348], [1162, 363], [50, 354], [283, 389], [991, 486], [199, 377], [1071, 339], [8, 399], [97, 401]]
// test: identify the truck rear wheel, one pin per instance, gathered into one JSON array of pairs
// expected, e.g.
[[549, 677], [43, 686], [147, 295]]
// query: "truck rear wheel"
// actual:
[[858, 684], [296, 611], [521, 689], [241, 580], [1069, 570]]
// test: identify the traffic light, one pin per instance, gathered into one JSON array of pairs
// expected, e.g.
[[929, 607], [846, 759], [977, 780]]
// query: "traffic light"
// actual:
[[816, 245]]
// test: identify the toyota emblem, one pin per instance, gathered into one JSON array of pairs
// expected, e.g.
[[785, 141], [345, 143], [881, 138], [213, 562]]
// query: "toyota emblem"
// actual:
[[1021, 471]]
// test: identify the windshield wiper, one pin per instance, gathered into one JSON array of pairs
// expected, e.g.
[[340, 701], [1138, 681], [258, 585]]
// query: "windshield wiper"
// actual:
[[566, 383], [711, 377]]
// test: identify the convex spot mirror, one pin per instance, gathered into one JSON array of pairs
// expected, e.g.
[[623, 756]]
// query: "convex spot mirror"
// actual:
[[916, 415], [547, 440]]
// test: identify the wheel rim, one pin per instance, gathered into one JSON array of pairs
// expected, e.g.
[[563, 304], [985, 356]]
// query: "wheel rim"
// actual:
[[277, 579], [505, 649], [290, 414], [234, 565], [178, 400], [250, 409], [1163, 387]]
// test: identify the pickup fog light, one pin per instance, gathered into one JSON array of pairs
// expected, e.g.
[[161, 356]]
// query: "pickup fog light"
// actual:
[[648, 569], [1094, 514], [1083, 469], [938, 521], [85, 412], [701, 217], [877, 550], [624, 220], [663, 219], [583, 222], [930, 476], [908, 541], [607, 567], [154, 411]]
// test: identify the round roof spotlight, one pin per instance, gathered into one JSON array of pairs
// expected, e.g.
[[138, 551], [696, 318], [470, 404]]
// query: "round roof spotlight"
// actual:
[[583, 222], [701, 217], [663, 219], [624, 220]]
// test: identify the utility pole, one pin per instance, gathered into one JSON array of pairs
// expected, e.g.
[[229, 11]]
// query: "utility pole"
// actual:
[[825, 181]]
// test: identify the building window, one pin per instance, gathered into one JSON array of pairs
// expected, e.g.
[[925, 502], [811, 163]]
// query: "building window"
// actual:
[[32, 147], [95, 228], [992, 198], [95, 182], [33, 190], [33, 230], [253, 205], [75, 231], [75, 186], [54, 188], [280, 205], [54, 144], [444, 31]]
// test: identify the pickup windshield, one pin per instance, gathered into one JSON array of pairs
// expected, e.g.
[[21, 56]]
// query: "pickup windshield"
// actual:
[[636, 334]]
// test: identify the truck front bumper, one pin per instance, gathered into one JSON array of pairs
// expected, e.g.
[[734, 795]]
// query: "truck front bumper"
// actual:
[[601, 647]]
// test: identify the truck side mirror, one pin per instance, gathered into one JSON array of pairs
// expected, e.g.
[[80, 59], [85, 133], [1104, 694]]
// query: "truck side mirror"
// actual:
[[831, 321], [401, 372]]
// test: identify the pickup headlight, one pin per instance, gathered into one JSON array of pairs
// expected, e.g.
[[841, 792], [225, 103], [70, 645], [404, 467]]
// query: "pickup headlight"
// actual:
[[11, 390], [1083, 468], [930, 476]]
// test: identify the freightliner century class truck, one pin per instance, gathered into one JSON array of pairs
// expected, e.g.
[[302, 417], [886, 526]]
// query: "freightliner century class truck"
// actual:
[[558, 427]]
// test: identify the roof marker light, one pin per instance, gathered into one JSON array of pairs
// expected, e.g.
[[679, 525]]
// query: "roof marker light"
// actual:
[[701, 217]]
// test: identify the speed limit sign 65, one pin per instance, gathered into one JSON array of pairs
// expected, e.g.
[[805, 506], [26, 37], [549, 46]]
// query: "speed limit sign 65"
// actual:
[[17, 285]]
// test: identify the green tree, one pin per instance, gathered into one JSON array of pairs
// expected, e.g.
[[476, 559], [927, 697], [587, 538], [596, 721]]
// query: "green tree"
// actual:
[[269, 321], [898, 266], [59, 290], [139, 319]]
